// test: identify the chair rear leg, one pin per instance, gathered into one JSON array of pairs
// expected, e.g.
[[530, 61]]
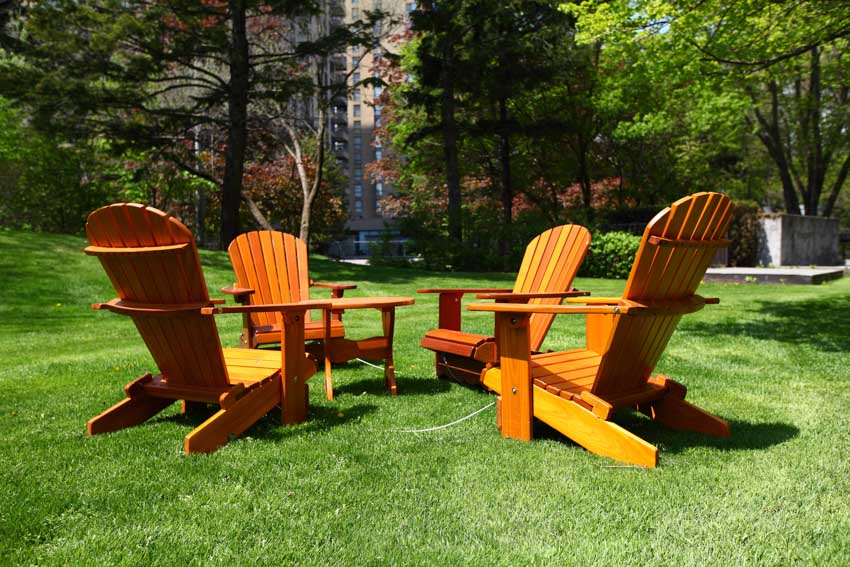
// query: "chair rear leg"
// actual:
[[127, 413], [678, 414]]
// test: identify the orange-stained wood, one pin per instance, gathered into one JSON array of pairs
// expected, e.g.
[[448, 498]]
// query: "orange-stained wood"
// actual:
[[272, 265], [153, 264], [516, 406], [293, 382], [625, 339], [545, 277]]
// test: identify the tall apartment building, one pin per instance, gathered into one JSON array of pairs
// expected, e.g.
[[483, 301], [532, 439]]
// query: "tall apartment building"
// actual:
[[353, 121]]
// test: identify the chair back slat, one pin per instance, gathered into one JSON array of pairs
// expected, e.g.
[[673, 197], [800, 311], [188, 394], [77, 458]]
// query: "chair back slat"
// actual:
[[676, 249], [185, 345], [274, 265], [550, 264]]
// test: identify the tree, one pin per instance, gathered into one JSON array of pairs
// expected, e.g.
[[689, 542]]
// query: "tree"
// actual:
[[781, 67], [153, 74]]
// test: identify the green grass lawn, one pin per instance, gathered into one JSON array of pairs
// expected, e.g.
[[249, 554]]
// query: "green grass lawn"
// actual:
[[349, 487]]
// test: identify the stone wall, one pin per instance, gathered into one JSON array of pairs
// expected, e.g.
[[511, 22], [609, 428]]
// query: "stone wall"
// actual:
[[795, 240]]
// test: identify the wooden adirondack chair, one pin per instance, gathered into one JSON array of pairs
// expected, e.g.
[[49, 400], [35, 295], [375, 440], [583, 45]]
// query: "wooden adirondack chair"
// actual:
[[576, 391], [549, 265], [152, 262], [271, 267]]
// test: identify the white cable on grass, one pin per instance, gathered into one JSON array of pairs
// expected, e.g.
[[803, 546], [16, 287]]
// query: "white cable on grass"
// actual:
[[476, 412], [369, 364], [473, 414]]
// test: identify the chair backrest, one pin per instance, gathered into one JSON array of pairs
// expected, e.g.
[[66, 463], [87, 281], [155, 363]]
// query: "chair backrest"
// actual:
[[274, 265], [151, 260], [550, 264], [676, 249]]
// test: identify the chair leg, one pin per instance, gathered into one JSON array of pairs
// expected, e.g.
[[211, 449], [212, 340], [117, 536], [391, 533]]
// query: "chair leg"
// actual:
[[591, 432], [678, 414], [388, 322], [228, 423], [127, 413]]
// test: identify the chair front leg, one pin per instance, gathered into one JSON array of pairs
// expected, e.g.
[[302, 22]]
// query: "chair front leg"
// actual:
[[293, 398], [388, 321], [516, 407]]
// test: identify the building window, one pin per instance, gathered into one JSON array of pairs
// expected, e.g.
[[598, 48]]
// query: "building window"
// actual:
[[356, 94], [355, 78], [358, 161], [410, 6], [358, 142], [357, 127], [358, 191], [358, 207], [358, 174], [355, 13], [356, 111], [379, 190], [376, 92], [377, 110], [379, 154]]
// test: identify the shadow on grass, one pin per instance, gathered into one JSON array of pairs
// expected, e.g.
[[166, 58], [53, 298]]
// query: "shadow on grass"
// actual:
[[269, 427], [824, 324], [745, 436], [375, 386]]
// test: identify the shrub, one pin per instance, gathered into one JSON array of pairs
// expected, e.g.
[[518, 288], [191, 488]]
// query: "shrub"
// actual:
[[744, 234], [611, 255]]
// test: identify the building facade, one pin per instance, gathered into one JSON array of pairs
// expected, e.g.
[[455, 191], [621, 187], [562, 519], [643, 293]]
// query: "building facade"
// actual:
[[354, 119]]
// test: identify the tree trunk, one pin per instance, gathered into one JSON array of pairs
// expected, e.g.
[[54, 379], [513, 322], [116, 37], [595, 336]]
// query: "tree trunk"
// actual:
[[311, 190], [507, 183], [816, 164], [584, 177], [450, 137], [771, 137], [237, 130]]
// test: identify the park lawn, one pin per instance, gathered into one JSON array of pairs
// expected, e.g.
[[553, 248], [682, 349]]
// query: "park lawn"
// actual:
[[349, 486]]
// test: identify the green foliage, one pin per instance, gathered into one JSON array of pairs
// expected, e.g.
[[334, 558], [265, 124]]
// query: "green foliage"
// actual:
[[384, 253], [611, 255], [42, 185]]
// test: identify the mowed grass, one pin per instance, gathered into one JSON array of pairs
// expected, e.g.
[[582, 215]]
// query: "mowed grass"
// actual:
[[349, 487]]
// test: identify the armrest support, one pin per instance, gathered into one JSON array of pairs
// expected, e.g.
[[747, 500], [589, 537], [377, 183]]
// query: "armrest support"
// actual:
[[449, 317]]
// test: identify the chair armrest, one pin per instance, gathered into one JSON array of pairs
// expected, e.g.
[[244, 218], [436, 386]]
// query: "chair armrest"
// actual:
[[524, 297], [234, 290], [604, 305], [337, 290], [136, 308], [596, 300], [526, 308], [269, 308], [463, 290], [334, 286]]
